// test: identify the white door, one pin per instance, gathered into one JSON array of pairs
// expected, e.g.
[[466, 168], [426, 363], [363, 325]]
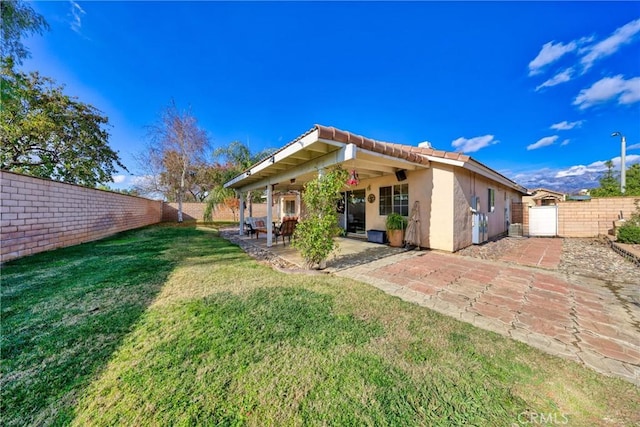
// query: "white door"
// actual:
[[543, 221]]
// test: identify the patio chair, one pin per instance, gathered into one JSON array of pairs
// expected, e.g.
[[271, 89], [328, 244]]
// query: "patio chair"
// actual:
[[286, 230], [259, 227], [248, 229]]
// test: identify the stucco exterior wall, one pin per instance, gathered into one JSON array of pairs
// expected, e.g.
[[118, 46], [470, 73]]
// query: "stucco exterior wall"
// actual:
[[468, 184], [440, 208], [433, 189], [445, 194], [375, 221], [463, 190]]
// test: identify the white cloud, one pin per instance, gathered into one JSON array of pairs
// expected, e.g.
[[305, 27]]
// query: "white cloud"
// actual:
[[542, 142], [565, 142], [611, 44], [578, 170], [627, 92], [119, 179], [599, 166], [565, 125], [474, 144], [550, 53], [561, 77], [633, 147], [628, 161], [76, 12]]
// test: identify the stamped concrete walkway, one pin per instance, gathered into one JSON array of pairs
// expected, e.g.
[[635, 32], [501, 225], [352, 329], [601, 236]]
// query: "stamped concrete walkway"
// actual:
[[573, 317]]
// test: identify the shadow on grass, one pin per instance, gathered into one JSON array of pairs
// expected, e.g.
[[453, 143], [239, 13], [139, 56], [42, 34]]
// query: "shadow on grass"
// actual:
[[65, 312]]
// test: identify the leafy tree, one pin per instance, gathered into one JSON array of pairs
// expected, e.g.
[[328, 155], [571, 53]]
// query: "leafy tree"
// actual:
[[610, 185], [236, 158], [633, 180], [176, 150], [231, 160], [48, 134], [127, 191], [44, 132], [314, 235], [18, 20]]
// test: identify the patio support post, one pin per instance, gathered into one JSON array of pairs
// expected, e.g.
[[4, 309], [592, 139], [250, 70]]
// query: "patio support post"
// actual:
[[240, 195], [269, 216]]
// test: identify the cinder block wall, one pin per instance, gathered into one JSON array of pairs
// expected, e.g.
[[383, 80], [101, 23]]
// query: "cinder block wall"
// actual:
[[195, 211], [38, 214], [593, 217], [588, 218]]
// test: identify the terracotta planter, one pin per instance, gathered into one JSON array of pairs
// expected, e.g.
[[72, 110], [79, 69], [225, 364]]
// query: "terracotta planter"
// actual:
[[395, 237]]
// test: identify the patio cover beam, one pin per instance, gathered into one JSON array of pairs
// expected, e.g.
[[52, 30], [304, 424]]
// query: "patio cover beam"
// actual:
[[343, 154]]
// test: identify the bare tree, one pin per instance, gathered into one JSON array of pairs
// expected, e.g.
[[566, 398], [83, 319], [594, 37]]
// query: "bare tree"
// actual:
[[177, 148]]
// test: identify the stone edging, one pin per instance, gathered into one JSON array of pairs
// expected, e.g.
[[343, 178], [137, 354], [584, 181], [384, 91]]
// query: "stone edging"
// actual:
[[625, 253]]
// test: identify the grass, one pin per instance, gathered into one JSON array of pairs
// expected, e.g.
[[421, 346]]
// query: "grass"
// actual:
[[175, 326]]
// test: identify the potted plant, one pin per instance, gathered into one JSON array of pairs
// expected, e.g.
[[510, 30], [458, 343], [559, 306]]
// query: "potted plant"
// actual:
[[396, 224]]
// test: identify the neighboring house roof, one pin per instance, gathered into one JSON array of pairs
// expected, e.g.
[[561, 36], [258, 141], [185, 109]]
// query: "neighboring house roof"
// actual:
[[411, 155], [540, 193]]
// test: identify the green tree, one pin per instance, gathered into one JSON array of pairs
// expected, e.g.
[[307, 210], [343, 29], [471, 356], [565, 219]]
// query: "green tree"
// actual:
[[633, 181], [18, 20], [609, 185], [44, 132], [314, 235], [231, 160], [48, 134]]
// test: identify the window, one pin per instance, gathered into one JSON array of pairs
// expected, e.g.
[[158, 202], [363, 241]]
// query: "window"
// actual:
[[290, 207], [491, 202], [394, 199]]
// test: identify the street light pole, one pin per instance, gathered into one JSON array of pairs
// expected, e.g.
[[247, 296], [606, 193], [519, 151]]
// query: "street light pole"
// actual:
[[623, 167]]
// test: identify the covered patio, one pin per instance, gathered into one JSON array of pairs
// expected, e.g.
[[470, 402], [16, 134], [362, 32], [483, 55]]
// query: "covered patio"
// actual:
[[350, 252], [309, 155]]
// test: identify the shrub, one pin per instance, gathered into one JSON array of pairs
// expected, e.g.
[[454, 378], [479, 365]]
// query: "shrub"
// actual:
[[629, 233], [315, 232]]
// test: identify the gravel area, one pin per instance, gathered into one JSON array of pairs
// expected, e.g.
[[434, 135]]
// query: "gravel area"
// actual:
[[261, 255], [595, 258]]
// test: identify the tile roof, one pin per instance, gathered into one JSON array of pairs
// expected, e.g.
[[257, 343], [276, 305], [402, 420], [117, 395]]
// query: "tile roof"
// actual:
[[394, 150], [419, 155]]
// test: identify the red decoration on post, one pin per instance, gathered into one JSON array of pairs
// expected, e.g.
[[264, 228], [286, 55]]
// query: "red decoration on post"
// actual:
[[353, 178]]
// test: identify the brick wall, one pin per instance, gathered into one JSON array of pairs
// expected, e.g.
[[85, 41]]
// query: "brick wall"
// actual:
[[195, 211], [38, 214], [588, 218], [593, 217]]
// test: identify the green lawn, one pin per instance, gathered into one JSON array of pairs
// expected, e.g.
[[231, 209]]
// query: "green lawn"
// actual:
[[174, 326]]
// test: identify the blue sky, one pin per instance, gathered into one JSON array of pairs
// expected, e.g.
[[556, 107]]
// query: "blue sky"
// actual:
[[531, 89]]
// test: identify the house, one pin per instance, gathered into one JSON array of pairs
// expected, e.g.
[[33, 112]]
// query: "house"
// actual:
[[386, 177], [543, 197]]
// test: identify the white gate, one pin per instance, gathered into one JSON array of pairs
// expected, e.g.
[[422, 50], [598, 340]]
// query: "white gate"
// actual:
[[543, 221]]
